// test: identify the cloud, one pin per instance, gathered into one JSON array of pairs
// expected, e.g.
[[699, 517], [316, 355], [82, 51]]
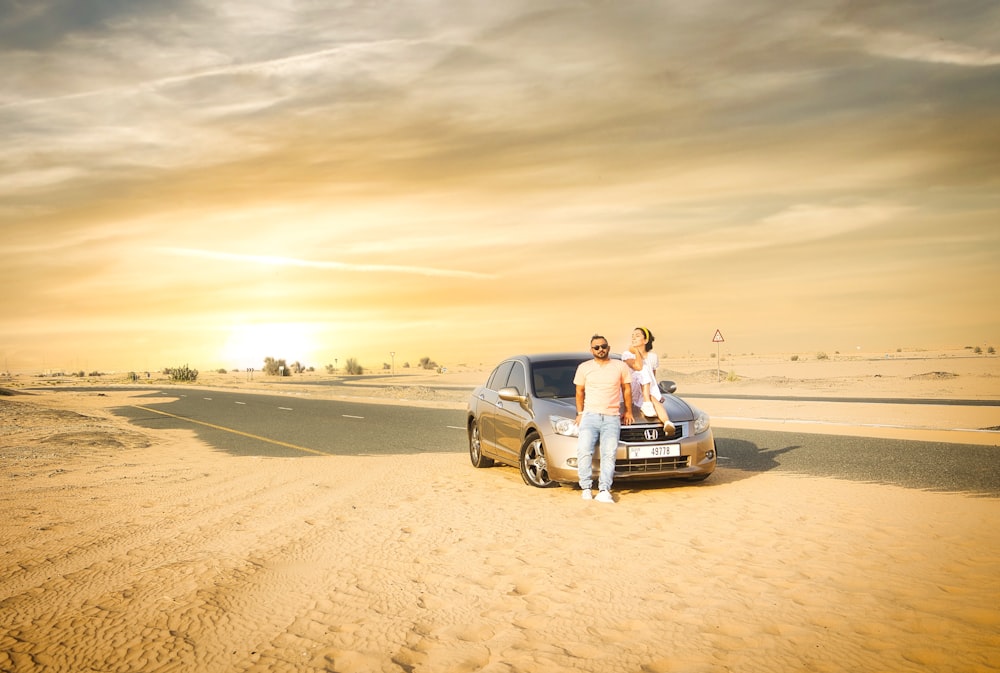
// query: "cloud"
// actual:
[[912, 47], [271, 260]]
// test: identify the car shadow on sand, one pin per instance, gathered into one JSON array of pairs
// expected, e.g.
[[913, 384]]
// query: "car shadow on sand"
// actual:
[[738, 459]]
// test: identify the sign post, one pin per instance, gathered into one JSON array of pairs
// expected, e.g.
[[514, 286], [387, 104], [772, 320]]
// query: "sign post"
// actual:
[[717, 340]]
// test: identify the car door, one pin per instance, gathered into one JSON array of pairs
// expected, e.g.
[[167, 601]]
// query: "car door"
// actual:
[[487, 406], [511, 418]]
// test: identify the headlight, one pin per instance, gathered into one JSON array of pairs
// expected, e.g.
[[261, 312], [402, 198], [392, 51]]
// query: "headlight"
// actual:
[[701, 423], [565, 426]]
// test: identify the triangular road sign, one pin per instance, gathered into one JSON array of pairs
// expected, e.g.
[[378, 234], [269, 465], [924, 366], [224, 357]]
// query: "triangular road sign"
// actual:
[[718, 337]]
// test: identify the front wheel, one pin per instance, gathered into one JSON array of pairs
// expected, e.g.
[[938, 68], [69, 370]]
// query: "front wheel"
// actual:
[[476, 448], [534, 466]]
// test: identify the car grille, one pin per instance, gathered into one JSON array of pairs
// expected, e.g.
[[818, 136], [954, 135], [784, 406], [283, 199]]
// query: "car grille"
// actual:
[[651, 465], [636, 434]]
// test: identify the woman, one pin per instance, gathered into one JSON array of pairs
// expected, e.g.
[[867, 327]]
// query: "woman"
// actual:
[[645, 394]]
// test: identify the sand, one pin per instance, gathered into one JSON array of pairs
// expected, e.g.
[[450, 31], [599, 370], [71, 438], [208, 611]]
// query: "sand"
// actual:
[[125, 549]]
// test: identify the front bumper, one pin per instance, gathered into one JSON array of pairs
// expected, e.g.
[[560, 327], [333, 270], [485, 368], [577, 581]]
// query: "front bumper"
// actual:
[[697, 458]]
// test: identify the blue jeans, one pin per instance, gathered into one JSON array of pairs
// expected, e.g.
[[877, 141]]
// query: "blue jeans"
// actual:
[[594, 427]]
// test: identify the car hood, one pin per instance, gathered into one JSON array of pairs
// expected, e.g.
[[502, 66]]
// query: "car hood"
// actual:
[[677, 409]]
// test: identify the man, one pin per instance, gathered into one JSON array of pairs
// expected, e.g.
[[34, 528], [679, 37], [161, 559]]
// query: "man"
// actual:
[[601, 385]]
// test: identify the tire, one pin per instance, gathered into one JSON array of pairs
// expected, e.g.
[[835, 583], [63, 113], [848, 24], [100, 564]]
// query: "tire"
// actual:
[[533, 463], [476, 447]]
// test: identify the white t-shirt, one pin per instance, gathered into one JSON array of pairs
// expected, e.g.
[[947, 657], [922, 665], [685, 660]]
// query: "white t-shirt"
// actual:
[[644, 376]]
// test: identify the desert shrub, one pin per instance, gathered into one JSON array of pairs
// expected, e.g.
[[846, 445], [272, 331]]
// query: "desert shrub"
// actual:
[[221, 370], [822, 356], [184, 373], [331, 369], [731, 376], [991, 350], [795, 358], [427, 363], [273, 367], [353, 368]]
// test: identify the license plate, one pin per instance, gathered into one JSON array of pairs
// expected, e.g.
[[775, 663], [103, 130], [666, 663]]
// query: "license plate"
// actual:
[[655, 451]]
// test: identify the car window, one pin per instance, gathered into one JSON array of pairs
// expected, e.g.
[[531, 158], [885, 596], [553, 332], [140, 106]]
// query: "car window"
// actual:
[[498, 379], [517, 379], [554, 379]]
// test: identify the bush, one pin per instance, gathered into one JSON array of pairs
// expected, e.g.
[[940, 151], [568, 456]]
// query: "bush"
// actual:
[[274, 367], [184, 373], [822, 356], [353, 368], [795, 358], [427, 363]]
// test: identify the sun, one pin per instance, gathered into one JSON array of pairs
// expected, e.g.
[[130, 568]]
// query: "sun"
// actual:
[[248, 344]]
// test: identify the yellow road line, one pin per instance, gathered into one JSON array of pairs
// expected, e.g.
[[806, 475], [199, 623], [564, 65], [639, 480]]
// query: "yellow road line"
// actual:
[[235, 432]]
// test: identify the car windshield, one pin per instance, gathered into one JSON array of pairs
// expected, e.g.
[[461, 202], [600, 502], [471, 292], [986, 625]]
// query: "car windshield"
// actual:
[[554, 379]]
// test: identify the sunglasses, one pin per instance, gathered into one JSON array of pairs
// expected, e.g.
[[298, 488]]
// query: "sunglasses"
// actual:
[[600, 347]]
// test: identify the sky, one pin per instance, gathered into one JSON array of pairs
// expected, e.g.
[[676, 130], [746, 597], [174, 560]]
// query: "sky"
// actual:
[[213, 183]]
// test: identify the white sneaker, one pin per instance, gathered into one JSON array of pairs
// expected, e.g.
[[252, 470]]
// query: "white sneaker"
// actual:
[[648, 410], [586, 494], [604, 496]]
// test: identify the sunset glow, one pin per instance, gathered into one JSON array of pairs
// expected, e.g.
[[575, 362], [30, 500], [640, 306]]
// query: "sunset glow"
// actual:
[[182, 183]]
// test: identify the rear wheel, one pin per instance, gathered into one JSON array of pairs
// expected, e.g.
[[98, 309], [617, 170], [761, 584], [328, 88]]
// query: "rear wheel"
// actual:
[[476, 448], [534, 466]]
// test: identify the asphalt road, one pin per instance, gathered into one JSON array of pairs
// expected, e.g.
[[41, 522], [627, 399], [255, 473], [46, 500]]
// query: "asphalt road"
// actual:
[[281, 425]]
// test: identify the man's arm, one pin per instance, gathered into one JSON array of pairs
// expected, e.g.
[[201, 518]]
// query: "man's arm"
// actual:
[[627, 393], [581, 394]]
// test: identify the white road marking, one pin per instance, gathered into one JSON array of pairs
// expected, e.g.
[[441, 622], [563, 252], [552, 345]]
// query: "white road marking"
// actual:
[[241, 403], [349, 416], [285, 408]]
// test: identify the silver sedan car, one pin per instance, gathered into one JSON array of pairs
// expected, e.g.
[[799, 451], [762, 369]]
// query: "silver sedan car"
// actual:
[[525, 416]]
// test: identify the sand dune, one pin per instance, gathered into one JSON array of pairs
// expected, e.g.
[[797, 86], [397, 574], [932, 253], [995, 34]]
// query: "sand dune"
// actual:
[[125, 550]]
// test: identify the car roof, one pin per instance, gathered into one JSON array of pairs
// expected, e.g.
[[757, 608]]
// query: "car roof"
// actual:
[[552, 357]]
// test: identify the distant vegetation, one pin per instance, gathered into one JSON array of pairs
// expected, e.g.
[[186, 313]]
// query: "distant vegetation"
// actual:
[[184, 373], [273, 367], [352, 368]]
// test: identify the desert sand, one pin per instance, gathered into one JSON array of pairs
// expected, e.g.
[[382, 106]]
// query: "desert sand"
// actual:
[[125, 549]]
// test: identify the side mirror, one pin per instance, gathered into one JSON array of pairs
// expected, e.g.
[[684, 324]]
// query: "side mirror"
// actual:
[[668, 387], [511, 395]]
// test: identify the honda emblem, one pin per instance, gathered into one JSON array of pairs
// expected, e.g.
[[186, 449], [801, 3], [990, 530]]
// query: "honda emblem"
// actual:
[[652, 434]]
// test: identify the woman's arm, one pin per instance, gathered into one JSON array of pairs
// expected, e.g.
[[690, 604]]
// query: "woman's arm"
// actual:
[[637, 361]]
